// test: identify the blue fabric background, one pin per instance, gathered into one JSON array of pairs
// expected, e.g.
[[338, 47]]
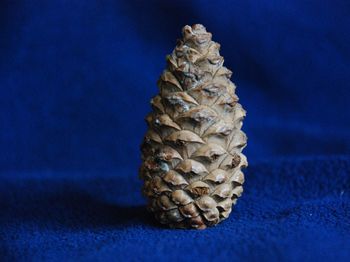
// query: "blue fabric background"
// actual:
[[75, 80]]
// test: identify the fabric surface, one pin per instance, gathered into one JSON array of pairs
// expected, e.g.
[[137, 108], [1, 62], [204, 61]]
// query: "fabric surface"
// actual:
[[76, 78]]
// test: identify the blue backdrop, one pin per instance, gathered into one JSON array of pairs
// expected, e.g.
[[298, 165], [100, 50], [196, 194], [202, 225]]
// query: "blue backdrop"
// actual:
[[76, 78]]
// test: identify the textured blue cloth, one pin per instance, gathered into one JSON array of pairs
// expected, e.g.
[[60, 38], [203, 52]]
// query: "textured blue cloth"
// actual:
[[75, 81]]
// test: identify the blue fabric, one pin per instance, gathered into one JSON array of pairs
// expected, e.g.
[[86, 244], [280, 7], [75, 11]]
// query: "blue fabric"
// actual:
[[75, 81]]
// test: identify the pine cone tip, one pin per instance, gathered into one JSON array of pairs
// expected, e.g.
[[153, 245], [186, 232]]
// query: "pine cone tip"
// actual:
[[196, 35]]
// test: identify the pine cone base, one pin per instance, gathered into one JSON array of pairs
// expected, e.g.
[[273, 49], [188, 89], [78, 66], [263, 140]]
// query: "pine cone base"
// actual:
[[192, 152]]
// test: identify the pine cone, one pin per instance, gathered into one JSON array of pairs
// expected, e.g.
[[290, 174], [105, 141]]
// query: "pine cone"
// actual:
[[191, 153]]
